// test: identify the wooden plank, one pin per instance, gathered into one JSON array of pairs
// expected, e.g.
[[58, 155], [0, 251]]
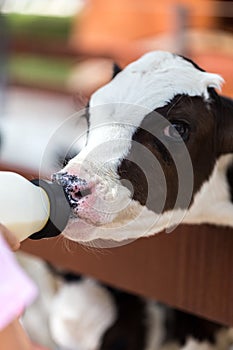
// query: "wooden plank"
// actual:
[[191, 268]]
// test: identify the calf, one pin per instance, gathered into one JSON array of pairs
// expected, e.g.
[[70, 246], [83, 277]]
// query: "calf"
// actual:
[[159, 152]]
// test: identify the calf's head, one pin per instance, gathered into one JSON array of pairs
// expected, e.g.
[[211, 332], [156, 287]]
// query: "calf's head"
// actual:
[[158, 152]]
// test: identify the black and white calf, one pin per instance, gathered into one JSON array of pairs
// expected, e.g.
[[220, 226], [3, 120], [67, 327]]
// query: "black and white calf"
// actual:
[[79, 313], [159, 152], [88, 315]]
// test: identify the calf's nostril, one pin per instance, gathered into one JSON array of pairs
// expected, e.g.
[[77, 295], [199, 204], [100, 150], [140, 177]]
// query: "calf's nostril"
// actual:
[[85, 192], [80, 193]]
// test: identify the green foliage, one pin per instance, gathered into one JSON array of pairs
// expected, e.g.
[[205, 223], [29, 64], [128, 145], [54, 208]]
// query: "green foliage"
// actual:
[[39, 27], [38, 70]]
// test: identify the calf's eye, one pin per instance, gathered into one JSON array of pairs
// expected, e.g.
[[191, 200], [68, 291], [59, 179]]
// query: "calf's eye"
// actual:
[[177, 130]]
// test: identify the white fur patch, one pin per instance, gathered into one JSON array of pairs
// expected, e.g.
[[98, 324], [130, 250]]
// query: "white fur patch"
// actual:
[[135, 222], [152, 81], [80, 315], [212, 203], [193, 344], [155, 325], [35, 318]]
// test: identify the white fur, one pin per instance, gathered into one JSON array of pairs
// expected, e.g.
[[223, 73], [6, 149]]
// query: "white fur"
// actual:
[[135, 222], [212, 203], [192, 344], [223, 341], [151, 82], [35, 319], [80, 315], [155, 323]]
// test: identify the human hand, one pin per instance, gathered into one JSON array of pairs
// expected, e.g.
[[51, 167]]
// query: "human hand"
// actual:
[[10, 238]]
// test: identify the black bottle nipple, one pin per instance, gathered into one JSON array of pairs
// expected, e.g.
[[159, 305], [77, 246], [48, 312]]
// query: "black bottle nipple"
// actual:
[[59, 210]]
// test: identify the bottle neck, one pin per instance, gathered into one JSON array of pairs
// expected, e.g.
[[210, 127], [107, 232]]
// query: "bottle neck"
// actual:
[[59, 210]]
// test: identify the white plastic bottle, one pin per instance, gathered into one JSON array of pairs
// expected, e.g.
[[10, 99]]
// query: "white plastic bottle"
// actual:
[[38, 207]]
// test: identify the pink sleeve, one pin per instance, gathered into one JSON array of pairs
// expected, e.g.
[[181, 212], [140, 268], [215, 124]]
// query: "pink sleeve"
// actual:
[[16, 289]]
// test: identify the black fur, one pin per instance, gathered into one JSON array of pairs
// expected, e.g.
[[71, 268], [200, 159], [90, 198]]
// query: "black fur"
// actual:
[[116, 70], [193, 63], [201, 146], [230, 180], [179, 326], [129, 330]]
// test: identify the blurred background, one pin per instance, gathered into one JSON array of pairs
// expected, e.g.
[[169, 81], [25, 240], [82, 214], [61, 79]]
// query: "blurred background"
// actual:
[[55, 53]]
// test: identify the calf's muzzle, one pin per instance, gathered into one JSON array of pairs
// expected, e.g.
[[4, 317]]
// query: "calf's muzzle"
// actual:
[[75, 188]]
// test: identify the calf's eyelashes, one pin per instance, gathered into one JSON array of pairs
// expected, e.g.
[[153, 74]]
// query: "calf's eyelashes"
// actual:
[[177, 130]]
